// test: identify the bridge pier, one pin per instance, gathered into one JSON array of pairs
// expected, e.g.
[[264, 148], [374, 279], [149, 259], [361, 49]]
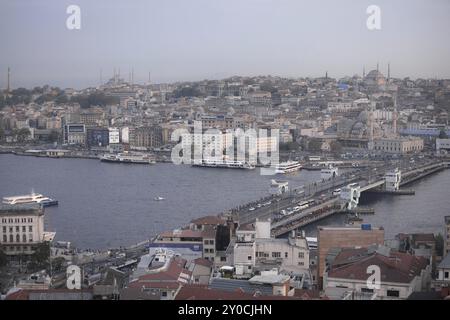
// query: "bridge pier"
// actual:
[[392, 180]]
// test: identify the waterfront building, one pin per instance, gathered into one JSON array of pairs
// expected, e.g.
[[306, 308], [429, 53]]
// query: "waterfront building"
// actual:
[[399, 145], [97, 137], [342, 237], [75, 134], [22, 228], [401, 274], [187, 243], [147, 137]]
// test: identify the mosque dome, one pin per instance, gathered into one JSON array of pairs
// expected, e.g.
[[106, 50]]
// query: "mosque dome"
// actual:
[[375, 77]]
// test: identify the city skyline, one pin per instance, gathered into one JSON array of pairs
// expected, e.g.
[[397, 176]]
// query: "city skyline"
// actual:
[[202, 40]]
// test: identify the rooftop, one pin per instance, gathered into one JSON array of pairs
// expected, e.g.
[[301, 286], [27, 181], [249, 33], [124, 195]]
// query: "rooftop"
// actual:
[[21, 209]]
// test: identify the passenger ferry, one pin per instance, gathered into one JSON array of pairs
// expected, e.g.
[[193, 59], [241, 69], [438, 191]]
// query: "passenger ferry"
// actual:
[[126, 157], [30, 198], [287, 167], [230, 164]]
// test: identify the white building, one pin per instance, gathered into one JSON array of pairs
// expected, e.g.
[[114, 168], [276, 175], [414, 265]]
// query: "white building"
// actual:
[[22, 228], [399, 145], [265, 253]]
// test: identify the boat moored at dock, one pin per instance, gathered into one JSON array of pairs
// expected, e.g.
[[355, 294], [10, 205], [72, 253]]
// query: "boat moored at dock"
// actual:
[[127, 157], [288, 167], [228, 164]]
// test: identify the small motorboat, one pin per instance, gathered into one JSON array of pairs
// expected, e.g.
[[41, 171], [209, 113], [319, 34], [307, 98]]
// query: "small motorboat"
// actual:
[[158, 198]]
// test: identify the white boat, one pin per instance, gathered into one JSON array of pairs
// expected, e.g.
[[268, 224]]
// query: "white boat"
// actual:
[[158, 198], [30, 198], [126, 157], [288, 166], [230, 164]]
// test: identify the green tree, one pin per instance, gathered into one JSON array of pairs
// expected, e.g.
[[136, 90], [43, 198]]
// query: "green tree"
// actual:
[[40, 258]]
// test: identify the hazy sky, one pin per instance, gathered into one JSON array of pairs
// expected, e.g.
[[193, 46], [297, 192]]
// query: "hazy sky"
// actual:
[[199, 39]]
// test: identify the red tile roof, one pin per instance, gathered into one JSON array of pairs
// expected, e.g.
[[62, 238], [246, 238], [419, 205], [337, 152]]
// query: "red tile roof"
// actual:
[[398, 267]]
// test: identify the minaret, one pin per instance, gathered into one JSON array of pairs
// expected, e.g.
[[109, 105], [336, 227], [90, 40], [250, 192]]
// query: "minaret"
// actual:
[[377, 67], [364, 72], [395, 116], [326, 74], [389, 72], [114, 76], [132, 77], [8, 86], [371, 133]]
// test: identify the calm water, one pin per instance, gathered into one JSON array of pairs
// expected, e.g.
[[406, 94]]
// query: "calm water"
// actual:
[[105, 205]]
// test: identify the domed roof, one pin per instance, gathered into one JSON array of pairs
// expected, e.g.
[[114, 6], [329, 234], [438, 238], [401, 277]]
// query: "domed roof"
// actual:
[[374, 74]]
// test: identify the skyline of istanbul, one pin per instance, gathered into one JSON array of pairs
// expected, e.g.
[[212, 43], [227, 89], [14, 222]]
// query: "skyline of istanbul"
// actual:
[[259, 150]]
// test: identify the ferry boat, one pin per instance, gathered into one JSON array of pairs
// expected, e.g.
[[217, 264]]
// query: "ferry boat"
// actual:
[[125, 157], [158, 198], [30, 198], [288, 166], [230, 164]]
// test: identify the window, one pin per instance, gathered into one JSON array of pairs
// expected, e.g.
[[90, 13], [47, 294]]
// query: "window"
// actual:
[[285, 254], [367, 290], [17, 238], [164, 293], [249, 257], [301, 263], [11, 238], [30, 228], [24, 229], [223, 259], [30, 237], [446, 275], [5, 238], [301, 255], [249, 267], [276, 254], [17, 228], [10, 229], [24, 238], [393, 293], [4, 229]]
